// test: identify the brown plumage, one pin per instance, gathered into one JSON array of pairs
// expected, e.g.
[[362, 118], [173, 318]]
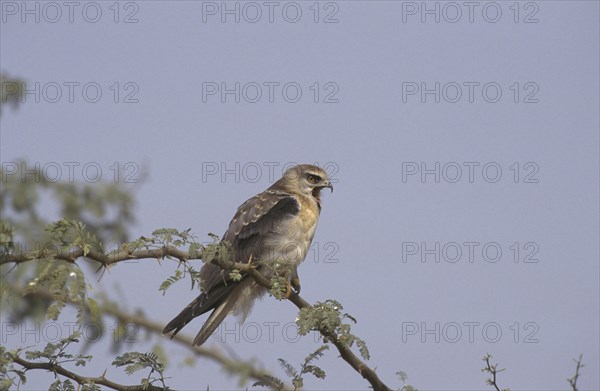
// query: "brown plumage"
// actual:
[[274, 228]]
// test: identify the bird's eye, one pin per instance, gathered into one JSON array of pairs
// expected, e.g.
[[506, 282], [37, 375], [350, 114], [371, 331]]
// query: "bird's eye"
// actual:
[[313, 178]]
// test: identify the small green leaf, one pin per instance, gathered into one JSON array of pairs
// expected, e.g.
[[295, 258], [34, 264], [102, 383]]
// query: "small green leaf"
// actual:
[[235, 275], [290, 371], [170, 281], [165, 231]]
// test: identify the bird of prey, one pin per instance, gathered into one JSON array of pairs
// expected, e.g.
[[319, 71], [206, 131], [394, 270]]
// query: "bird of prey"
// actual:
[[273, 230]]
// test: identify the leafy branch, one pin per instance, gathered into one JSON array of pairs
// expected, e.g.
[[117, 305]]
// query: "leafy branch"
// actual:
[[306, 367], [82, 380], [493, 370], [55, 357], [158, 247], [403, 377], [578, 365], [135, 361], [164, 244], [244, 369]]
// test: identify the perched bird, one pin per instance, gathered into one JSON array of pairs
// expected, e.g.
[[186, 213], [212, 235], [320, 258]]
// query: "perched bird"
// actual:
[[273, 230]]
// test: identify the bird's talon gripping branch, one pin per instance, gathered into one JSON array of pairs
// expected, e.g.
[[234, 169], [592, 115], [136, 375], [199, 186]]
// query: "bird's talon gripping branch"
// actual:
[[288, 291], [251, 265], [295, 280], [296, 284]]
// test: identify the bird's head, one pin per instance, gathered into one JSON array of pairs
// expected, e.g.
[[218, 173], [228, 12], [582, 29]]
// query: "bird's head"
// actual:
[[306, 179]]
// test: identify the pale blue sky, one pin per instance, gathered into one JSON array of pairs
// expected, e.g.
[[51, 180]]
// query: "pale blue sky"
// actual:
[[368, 137]]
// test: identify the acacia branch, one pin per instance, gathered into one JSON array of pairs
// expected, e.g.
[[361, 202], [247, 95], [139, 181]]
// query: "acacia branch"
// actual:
[[156, 328], [573, 381], [213, 354], [105, 260], [345, 352], [101, 380], [169, 251], [492, 370]]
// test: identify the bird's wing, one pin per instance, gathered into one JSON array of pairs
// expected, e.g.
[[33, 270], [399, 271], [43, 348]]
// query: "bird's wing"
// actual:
[[254, 218], [259, 214]]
